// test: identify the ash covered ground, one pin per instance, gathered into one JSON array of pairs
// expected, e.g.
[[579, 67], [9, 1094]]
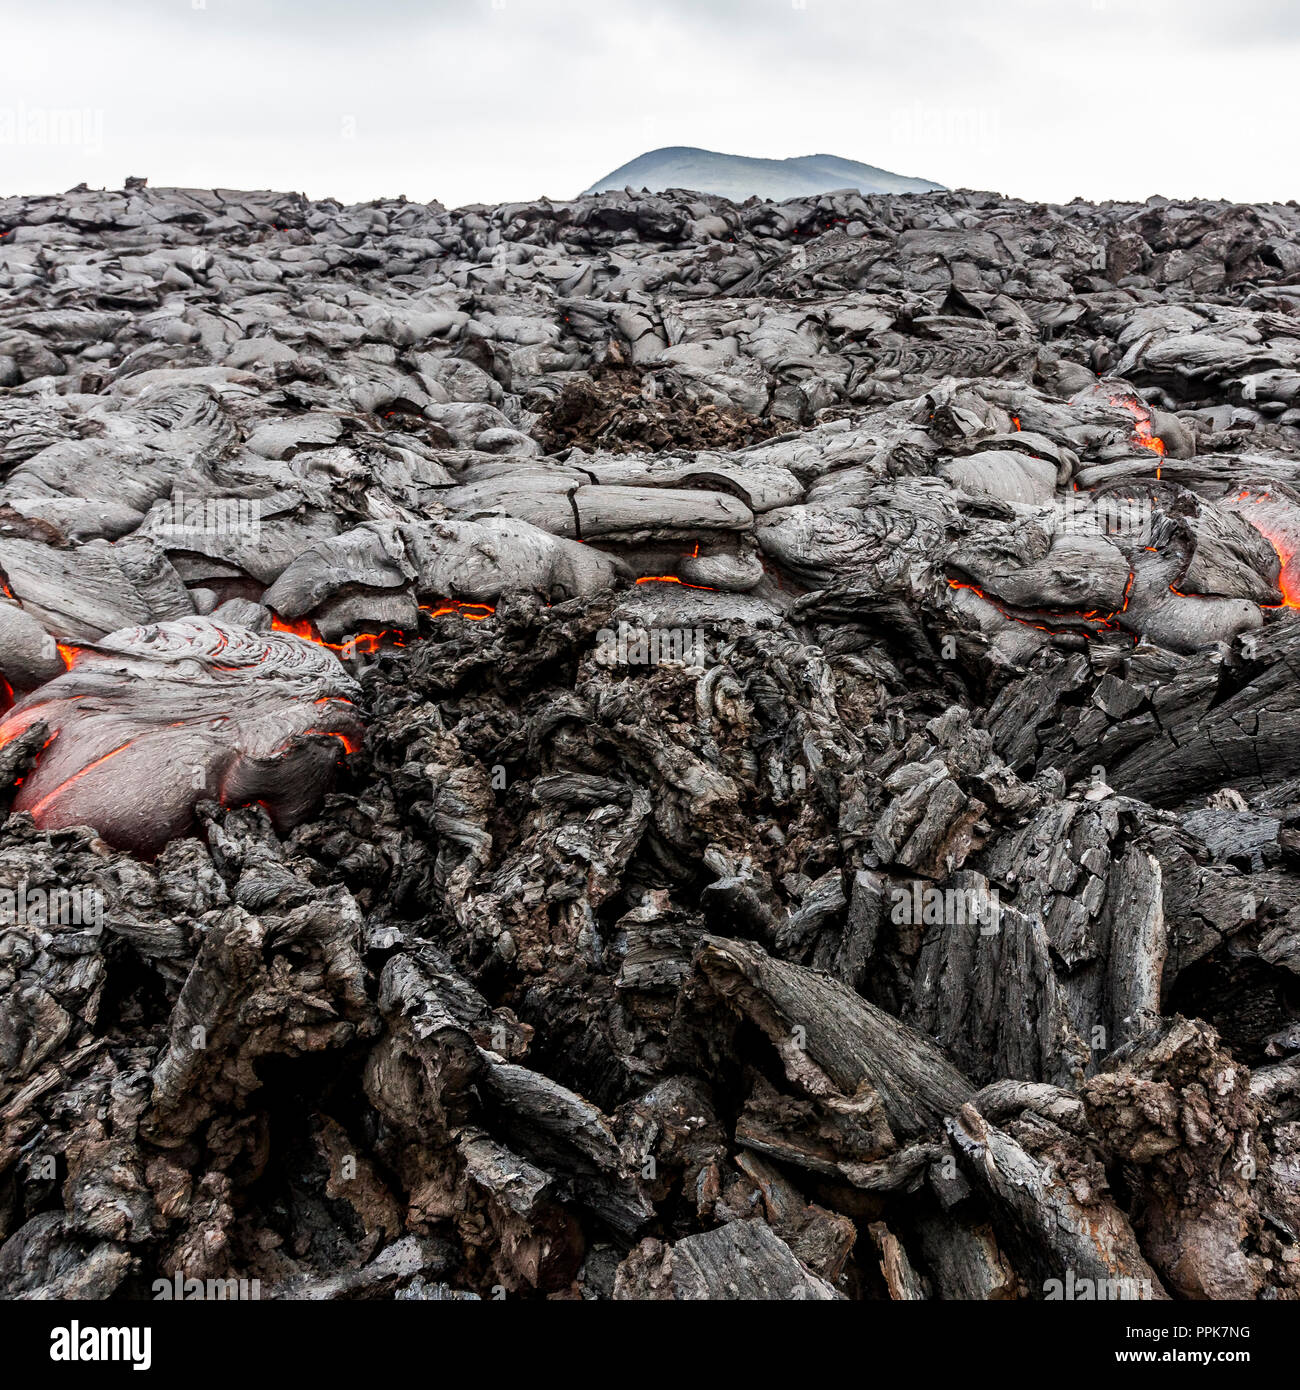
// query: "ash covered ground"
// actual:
[[649, 748]]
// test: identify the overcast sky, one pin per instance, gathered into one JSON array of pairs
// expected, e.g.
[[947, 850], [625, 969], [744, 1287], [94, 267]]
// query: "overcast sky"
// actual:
[[488, 100]]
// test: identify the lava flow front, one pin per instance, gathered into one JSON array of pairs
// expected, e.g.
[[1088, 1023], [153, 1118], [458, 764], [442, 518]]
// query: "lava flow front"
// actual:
[[1277, 519], [152, 720]]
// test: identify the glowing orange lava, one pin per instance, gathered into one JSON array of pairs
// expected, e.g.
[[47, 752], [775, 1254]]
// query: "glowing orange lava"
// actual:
[[24, 721], [1142, 427], [672, 579], [364, 643], [349, 745], [304, 628], [475, 612], [367, 643], [1285, 582], [1100, 622], [1281, 537]]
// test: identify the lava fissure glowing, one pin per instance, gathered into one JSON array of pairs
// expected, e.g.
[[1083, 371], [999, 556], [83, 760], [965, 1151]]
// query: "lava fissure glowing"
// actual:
[[472, 612], [1284, 546], [673, 579], [367, 643], [1142, 432], [38, 807], [350, 745], [1092, 620], [1286, 582]]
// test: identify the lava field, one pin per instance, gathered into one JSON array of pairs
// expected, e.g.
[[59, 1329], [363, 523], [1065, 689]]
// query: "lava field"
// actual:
[[649, 748]]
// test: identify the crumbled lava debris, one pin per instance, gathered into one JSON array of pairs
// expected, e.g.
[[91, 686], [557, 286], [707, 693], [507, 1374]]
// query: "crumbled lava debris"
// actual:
[[620, 412], [649, 748]]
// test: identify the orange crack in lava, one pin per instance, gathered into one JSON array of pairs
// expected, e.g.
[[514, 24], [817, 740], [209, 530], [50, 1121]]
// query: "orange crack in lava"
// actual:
[[672, 579], [1094, 620], [24, 721], [975, 589], [1283, 547], [350, 745], [1142, 427], [475, 612], [306, 629], [76, 777], [18, 781], [366, 643]]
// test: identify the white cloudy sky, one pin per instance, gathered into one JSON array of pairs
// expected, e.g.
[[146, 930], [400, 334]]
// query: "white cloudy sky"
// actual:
[[487, 100]]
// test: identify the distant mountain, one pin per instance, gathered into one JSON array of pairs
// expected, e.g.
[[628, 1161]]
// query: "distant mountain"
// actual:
[[738, 177]]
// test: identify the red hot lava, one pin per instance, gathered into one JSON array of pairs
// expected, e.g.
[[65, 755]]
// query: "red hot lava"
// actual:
[[1286, 581], [1278, 522], [362, 644], [1094, 620], [1142, 433], [366, 643], [474, 612], [672, 579], [140, 711]]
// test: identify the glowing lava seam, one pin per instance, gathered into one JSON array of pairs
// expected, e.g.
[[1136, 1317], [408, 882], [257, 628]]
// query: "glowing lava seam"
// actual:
[[366, 643], [1142, 433]]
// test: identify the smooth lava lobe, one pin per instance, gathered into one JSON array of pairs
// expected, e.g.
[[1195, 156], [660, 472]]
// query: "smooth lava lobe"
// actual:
[[152, 720]]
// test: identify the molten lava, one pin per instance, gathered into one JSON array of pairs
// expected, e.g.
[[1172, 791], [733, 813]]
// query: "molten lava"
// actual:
[[139, 715], [367, 643], [672, 579], [350, 745], [1142, 433], [1272, 524], [1287, 582], [474, 612], [1094, 621], [38, 807], [21, 722]]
